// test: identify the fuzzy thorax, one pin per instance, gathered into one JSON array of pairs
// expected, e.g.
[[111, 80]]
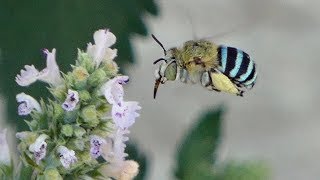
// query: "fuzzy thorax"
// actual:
[[197, 55]]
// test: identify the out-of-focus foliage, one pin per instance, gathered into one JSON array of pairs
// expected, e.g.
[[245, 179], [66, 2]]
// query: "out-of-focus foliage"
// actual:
[[28, 26], [136, 155], [6, 170], [243, 171], [197, 155], [197, 152]]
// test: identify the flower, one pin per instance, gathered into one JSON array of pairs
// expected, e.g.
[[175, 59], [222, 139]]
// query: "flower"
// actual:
[[27, 76], [96, 145], [113, 90], [124, 171], [67, 157], [124, 115], [114, 151], [114, 154], [71, 101], [27, 104], [39, 148], [5, 152], [50, 74], [100, 51]]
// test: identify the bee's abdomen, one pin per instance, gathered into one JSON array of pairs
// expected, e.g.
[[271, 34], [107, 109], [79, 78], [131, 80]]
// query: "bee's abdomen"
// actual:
[[237, 65]]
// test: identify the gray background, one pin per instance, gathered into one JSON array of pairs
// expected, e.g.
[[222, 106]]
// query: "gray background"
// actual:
[[277, 121]]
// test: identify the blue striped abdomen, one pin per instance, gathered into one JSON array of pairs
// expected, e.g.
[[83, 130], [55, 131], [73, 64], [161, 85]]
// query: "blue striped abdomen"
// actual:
[[237, 65]]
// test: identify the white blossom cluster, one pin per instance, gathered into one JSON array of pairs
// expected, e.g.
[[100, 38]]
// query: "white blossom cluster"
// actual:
[[122, 114]]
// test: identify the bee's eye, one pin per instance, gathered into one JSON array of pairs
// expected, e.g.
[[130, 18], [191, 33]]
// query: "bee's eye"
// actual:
[[195, 44]]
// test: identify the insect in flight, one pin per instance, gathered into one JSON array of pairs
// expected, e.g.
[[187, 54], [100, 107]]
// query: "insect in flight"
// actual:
[[217, 67]]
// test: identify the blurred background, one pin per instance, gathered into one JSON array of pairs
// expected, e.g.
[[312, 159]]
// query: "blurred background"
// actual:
[[277, 121]]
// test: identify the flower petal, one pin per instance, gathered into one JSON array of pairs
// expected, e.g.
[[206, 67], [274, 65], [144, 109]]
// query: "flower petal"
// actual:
[[39, 148], [27, 104], [27, 76], [96, 143], [113, 90], [104, 38], [100, 51], [51, 74], [67, 157], [110, 54], [124, 115], [71, 101]]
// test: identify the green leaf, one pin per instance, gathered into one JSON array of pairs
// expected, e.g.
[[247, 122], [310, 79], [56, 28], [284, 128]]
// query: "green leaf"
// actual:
[[6, 172], [253, 170], [139, 157], [28, 27], [197, 152], [30, 161], [25, 172]]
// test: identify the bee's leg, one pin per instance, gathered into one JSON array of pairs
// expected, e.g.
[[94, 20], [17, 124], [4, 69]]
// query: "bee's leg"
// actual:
[[239, 88], [206, 81], [240, 93], [184, 76]]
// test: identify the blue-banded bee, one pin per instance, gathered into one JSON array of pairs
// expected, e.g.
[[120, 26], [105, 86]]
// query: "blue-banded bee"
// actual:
[[219, 68]]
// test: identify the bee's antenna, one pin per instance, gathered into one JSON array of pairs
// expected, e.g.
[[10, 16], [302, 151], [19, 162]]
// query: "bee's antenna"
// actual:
[[164, 50], [158, 60]]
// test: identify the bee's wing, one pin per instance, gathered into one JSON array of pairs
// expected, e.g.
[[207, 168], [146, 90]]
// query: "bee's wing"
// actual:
[[234, 29]]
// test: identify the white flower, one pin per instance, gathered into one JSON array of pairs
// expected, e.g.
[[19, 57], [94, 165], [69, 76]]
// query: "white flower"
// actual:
[[5, 152], [50, 74], [27, 76], [114, 154], [27, 104], [67, 157], [113, 90], [71, 101], [113, 151], [101, 50], [96, 143], [39, 148], [124, 115], [124, 171]]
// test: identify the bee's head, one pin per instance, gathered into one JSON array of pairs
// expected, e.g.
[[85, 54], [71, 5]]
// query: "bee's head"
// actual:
[[167, 70]]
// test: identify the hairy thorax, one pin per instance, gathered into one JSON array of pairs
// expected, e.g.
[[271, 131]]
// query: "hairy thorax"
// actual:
[[197, 56]]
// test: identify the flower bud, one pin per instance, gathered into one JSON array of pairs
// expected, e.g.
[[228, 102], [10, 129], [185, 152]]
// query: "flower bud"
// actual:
[[78, 131], [97, 77], [111, 68], [85, 61], [103, 109], [57, 110], [59, 92], [85, 157], [52, 173], [80, 76], [89, 115], [67, 130], [84, 96], [77, 144]]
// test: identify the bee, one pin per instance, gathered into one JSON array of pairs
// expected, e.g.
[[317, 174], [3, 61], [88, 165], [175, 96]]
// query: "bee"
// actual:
[[216, 67]]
